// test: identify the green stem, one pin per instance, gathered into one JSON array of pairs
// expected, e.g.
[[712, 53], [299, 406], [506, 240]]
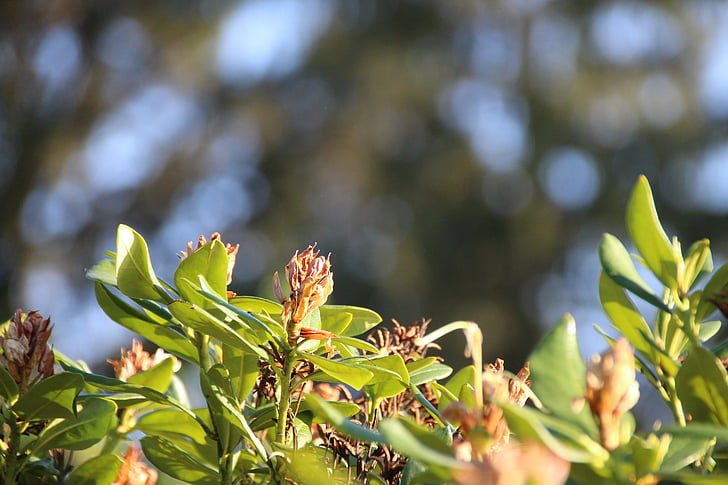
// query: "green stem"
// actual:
[[284, 405], [11, 455], [674, 402]]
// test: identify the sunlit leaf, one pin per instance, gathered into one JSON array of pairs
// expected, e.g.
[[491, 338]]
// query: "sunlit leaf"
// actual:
[[417, 443], [352, 374], [111, 384], [618, 265], [702, 387], [254, 304], [211, 262], [202, 321], [698, 262], [104, 272], [558, 374], [8, 386], [177, 463], [136, 321], [99, 470], [50, 398], [430, 373], [94, 421], [157, 377], [343, 425], [362, 319], [527, 424], [624, 315], [134, 273], [718, 283], [707, 330], [648, 235], [167, 422]]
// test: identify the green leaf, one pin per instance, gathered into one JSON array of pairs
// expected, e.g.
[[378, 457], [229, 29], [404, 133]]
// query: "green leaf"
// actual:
[[688, 478], [418, 443], [344, 426], [170, 423], [243, 318], [683, 451], [618, 265], [200, 320], [345, 408], [243, 369], [111, 384], [157, 377], [528, 424], [136, 321], [707, 330], [702, 387], [94, 421], [362, 319], [558, 375], [50, 398], [335, 320], [350, 374], [254, 304], [390, 375], [8, 386], [104, 272], [698, 431], [648, 235], [134, 273], [177, 463], [100, 470], [211, 262], [430, 373], [217, 390], [462, 378], [624, 315], [698, 262], [718, 283], [355, 343]]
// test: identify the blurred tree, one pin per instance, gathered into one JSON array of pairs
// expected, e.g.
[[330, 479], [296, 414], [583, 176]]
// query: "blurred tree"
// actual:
[[459, 159]]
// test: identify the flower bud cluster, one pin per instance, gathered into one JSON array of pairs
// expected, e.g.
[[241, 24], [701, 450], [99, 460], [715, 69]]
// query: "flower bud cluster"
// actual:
[[311, 281], [25, 350]]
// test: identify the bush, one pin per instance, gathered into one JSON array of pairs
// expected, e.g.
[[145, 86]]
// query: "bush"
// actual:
[[295, 394]]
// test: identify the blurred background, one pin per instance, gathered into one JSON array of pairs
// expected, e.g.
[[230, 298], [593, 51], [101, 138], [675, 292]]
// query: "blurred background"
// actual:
[[460, 159]]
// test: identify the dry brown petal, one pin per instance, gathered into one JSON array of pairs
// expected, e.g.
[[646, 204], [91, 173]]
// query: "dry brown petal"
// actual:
[[134, 471], [611, 389], [311, 281], [137, 360]]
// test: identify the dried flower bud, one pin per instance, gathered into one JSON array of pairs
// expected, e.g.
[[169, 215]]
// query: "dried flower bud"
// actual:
[[232, 252], [26, 353], [134, 471], [311, 281], [137, 360], [516, 464], [611, 389], [497, 387]]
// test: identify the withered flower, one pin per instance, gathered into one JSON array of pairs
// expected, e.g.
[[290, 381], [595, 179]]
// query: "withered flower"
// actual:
[[516, 464], [232, 252], [611, 389], [134, 471], [497, 387], [26, 353], [137, 360], [311, 281]]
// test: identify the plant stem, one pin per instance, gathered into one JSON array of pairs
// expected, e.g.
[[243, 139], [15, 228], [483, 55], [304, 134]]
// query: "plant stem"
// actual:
[[11, 454], [284, 404]]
